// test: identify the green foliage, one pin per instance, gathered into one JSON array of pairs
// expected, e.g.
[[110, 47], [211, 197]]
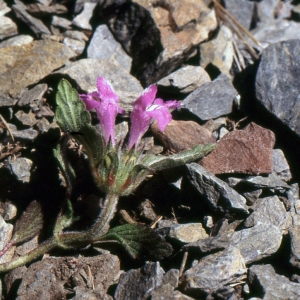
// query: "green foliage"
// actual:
[[140, 242], [29, 225]]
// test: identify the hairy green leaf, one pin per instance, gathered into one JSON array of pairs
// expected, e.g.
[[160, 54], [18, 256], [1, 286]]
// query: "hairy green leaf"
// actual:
[[157, 162], [72, 117], [140, 242], [29, 225]]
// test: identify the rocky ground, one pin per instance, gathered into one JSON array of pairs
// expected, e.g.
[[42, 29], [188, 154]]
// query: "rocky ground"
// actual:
[[233, 219]]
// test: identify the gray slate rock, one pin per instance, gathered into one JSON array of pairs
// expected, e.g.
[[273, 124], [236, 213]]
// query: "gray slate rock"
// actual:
[[281, 166], [21, 168], [33, 97], [134, 284], [61, 22], [36, 25], [268, 210], [241, 10], [83, 19], [214, 271], [257, 242], [274, 286], [188, 233], [277, 82], [185, 80], [86, 71], [295, 246], [77, 46], [219, 194], [212, 99], [104, 46]]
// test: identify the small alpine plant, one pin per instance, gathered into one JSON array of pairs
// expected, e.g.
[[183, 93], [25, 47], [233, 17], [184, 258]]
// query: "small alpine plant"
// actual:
[[117, 169]]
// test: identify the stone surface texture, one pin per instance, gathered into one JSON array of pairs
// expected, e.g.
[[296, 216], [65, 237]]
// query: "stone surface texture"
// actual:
[[214, 271], [247, 151], [181, 135], [211, 100], [277, 84]]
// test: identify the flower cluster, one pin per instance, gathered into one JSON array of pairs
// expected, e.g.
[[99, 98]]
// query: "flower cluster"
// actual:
[[145, 108]]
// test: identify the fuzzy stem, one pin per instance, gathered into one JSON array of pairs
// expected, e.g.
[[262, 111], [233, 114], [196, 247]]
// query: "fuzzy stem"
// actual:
[[30, 256]]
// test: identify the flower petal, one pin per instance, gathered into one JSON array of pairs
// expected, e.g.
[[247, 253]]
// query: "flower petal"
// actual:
[[140, 121], [106, 90], [146, 98], [162, 116], [91, 100]]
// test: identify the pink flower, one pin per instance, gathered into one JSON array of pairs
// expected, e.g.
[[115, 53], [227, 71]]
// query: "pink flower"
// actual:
[[145, 108], [105, 102]]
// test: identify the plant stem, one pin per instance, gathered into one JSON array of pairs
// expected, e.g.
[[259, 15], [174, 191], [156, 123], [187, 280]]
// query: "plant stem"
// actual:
[[22, 260]]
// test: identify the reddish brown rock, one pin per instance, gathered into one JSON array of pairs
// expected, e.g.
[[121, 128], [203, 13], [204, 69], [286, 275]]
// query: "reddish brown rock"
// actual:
[[181, 135], [246, 151]]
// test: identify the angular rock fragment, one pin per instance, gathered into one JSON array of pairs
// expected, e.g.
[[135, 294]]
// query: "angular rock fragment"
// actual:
[[268, 210], [20, 167], [21, 66], [221, 197], [36, 25], [185, 80], [218, 51], [211, 100], [280, 165], [214, 271], [257, 242], [6, 231], [86, 71], [61, 22], [104, 46], [83, 19], [7, 27], [26, 118], [134, 284], [182, 135], [159, 35], [40, 10], [295, 246], [77, 46], [47, 279], [167, 292], [33, 97], [272, 286], [277, 82], [247, 151], [188, 233]]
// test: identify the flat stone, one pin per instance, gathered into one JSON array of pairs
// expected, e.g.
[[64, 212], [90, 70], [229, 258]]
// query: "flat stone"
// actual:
[[272, 181], [188, 233], [167, 292], [276, 31], [295, 246], [86, 71], [77, 46], [47, 279], [83, 19], [211, 100], [20, 167], [218, 51], [146, 210], [43, 125], [182, 135], [7, 27], [277, 84], [18, 40], [257, 242], [25, 135], [36, 25], [26, 118], [135, 283], [159, 35], [32, 96], [45, 111], [184, 80], [76, 35], [6, 231], [214, 271], [40, 10], [220, 195], [265, 10], [61, 22], [252, 196], [241, 10], [247, 151], [10, 211], [25, 65], [268, 210], [4, 9], [273, 286], [280, 165], [104, 46]]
